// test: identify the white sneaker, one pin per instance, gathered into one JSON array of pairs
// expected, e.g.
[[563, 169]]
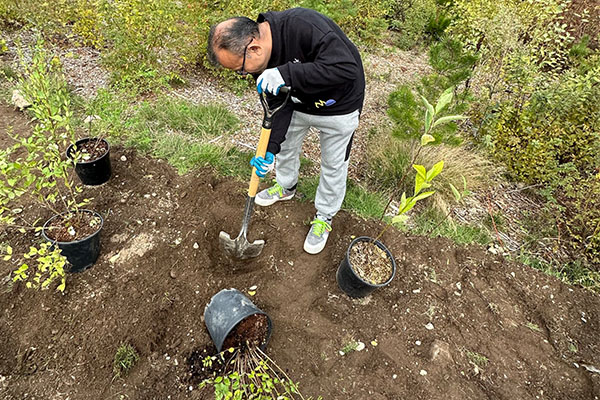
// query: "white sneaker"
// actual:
[[273, 194], [317, 236]]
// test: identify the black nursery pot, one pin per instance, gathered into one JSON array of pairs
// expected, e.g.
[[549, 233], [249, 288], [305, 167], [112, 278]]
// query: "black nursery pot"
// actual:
[[95, 172], [349, 281], [83, 253], [226, 309]]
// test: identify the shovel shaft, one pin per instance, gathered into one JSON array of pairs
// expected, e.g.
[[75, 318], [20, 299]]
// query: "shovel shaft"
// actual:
[[261, 150]]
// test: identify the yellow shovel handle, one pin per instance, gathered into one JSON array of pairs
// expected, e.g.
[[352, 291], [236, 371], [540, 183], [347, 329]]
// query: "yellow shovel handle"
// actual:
[[261, 150]]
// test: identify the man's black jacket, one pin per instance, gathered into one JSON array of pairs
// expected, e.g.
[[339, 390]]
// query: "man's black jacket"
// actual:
[[318, 61]]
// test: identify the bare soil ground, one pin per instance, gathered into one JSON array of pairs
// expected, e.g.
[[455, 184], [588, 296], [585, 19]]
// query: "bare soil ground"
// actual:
[[455, 323]]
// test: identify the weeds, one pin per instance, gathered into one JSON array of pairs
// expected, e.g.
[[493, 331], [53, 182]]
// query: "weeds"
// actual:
[[430, 222], [125, 359], [478, 361]]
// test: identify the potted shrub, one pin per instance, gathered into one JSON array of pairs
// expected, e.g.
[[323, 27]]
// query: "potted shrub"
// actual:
[[33, 169], [368, 264], [91, 156]]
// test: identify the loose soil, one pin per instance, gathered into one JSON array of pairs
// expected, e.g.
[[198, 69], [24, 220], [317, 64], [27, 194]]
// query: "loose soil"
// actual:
[[427, 334], [73, 227], [253, 331], [370, 262]]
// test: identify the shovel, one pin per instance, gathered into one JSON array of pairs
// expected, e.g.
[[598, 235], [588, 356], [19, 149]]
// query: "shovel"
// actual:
[[240, 247]]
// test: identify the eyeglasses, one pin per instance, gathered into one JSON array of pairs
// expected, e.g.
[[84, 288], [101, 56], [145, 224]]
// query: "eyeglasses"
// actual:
[[242, 70]]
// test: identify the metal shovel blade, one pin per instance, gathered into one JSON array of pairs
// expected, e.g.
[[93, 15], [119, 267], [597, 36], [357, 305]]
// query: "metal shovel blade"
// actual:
[[240, 247]]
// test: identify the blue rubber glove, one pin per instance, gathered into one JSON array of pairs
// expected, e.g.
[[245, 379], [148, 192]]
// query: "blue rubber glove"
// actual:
[[263, 165], [270, 81]]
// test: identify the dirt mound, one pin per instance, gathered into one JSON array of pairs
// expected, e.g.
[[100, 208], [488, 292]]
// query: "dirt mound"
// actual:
[[455, 323]]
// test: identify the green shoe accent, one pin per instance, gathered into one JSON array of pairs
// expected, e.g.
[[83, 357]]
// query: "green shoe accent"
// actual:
[[277, 188], [320, 228]]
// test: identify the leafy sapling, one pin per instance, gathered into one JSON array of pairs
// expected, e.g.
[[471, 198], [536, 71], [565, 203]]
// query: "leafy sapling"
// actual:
[[430, 122], [250, 374], [423, 180], [49, 267]]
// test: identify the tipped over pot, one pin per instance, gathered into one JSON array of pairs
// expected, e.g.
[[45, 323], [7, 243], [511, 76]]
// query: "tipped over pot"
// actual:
[[233, 320]]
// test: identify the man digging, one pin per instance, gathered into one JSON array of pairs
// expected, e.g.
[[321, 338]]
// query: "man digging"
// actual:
[[308, 52]]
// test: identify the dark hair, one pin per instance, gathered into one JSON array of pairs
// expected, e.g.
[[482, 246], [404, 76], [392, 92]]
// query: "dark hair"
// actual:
[[234, 37]]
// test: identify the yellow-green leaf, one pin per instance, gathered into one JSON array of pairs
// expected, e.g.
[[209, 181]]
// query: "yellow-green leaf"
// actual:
[[399, 219], [448, 118], [426, 139]]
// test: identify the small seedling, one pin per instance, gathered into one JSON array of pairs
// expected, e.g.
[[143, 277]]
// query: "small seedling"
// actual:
[[431, 275], [430, 312], [573, 348], [478, 361], [349, 347], [533, 327], [125, 359]]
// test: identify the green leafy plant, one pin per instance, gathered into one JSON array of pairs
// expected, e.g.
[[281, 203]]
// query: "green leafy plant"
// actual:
[[49, 267], [125, 359], [250, 374], [410, 18], [34, 167], [423, 178]]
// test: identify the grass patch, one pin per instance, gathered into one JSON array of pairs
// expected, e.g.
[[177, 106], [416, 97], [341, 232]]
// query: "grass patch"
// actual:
[[125, 359], [430, 222], [114, 108], [186, 135], [358, 200], [572, 273]]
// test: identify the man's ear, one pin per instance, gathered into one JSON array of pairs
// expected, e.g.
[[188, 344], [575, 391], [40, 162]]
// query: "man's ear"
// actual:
[[256, 49]]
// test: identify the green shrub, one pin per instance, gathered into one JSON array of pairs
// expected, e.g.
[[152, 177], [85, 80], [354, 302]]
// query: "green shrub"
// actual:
[[87, 25], [143, 40], [451, 60], [550, 126], [575, 196], [410, 18]]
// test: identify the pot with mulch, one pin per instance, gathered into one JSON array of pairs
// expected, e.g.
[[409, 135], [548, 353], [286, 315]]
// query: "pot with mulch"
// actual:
[[367, 265], [92, 157], [234, 321], [77, 234]]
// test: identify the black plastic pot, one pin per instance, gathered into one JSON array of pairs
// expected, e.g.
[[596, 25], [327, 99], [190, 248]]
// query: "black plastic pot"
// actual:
[[226, 309], [95, 172], [83, 253], [349, 281]]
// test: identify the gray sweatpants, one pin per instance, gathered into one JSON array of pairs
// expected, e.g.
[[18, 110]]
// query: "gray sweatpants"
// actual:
[[335, 134]]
